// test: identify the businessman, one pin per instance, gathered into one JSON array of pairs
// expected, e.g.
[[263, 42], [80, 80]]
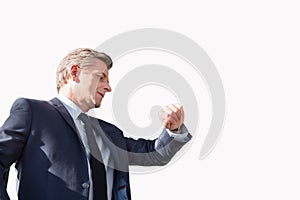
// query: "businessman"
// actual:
[[61, 153]]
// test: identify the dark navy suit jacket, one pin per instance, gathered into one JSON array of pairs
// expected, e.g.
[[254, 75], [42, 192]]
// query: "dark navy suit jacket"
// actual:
[[41, 137]]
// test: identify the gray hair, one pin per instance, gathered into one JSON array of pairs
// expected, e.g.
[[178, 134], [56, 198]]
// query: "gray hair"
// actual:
[[78, 57]]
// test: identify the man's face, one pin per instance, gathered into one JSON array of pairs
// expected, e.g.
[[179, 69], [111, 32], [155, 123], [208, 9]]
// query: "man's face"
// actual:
[[91, 84]]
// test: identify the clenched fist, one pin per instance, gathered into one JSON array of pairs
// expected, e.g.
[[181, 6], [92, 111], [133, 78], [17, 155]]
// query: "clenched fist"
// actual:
[[173, 117]]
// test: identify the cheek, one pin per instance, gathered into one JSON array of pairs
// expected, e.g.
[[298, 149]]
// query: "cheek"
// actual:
[[101, 85], [93, 87], [90, 85]]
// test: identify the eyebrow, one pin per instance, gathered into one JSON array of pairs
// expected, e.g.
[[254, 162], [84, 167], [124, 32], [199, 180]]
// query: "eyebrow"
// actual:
[[102, 73]]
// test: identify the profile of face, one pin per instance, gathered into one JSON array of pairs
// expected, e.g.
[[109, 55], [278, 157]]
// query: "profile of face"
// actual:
[[90, 83]]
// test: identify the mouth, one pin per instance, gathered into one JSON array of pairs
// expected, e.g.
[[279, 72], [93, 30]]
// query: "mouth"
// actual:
[[102, 95]]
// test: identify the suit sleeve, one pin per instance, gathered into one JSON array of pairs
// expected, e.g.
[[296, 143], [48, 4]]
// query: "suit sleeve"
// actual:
[[155, 152], [13, 136]]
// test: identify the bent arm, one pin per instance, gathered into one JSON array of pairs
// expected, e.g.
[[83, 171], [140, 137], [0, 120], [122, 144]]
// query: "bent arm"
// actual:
[[156, 152], [13, 136]]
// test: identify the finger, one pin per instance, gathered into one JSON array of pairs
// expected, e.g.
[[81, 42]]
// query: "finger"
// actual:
[[172, 121], [177, 105], [182, 115], [166, 124], [177, 110], [170, 112]]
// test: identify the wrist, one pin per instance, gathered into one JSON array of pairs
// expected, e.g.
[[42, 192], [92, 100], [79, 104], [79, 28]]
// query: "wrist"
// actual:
[[176, 130]]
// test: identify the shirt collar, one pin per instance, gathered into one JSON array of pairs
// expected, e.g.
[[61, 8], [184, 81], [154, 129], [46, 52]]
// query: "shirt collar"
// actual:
[[72, 108]]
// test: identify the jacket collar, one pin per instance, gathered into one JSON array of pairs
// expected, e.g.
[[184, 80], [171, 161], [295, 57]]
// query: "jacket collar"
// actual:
[[58, 105]]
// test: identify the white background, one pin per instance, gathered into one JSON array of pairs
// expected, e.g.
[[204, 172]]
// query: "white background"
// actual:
[[255, 47]]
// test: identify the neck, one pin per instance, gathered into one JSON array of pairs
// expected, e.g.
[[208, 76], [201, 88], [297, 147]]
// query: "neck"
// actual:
[[69, 94]]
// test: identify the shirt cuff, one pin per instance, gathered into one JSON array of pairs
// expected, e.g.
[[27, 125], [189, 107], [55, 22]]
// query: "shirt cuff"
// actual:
[[181, 136]]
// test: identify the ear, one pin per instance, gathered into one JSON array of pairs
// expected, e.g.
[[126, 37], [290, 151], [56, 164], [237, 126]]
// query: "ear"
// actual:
[[74, 72]]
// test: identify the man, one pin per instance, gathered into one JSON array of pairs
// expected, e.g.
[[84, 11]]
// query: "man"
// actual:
[[59, 151]]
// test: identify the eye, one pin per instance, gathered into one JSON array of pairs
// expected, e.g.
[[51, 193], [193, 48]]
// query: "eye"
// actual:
[[100, 76]]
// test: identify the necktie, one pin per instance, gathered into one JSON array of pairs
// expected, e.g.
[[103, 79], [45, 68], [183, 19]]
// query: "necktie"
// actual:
[[96, 163]]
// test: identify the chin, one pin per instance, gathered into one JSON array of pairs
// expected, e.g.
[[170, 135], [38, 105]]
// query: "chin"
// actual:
[[98, 104]]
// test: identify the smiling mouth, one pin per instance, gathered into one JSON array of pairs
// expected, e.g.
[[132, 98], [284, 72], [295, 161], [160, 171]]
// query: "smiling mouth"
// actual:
[[102, 95]]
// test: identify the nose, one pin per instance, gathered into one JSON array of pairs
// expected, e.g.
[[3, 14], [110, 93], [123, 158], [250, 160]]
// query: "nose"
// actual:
[[107, 87]]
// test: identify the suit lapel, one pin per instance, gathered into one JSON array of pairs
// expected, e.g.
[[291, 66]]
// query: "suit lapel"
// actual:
[[116, 161], [114, 145], [57, 104]]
